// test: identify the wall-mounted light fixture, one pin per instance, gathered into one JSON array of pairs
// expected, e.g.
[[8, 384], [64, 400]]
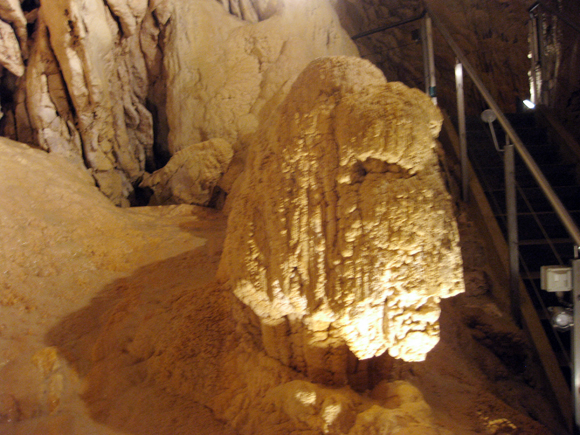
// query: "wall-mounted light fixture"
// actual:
[[529, 104]]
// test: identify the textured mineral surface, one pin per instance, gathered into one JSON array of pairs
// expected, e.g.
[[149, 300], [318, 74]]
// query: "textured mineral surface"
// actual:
[[341, 230], [112, 321]]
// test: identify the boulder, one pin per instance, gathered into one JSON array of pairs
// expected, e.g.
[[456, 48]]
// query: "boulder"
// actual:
[[191, 174]]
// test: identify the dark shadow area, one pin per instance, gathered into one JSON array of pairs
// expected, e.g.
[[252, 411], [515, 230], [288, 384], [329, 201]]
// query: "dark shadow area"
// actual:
[[123, 343]]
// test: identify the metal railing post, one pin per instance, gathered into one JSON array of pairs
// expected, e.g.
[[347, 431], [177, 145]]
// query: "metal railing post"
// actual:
[[462, 131], [425, 49], [429, 59], [512, 227], [576, 338], [536, 96]]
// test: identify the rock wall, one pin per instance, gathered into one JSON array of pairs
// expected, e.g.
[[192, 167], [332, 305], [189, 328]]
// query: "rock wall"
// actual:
[[492, 34], [341, 231], [84, 89], [13, 37], [228, 75], [561, 74], [120, 86]]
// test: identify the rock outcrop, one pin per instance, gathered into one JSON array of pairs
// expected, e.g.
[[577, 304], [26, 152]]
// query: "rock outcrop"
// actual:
[[251, 10], [13, 37], [341, 231], [84, 89], [10, 57]]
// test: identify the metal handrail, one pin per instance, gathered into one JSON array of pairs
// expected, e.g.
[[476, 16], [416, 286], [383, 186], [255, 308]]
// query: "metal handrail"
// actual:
[[389, 26], [555, 201], [559, 208]]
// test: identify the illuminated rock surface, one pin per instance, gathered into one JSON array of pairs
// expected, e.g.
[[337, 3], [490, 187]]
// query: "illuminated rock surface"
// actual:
[[10, 57], [227, 75], [142, 339], [13, 37], [341, 230]]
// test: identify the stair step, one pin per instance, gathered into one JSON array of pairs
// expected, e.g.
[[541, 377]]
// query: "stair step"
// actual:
[[535, 275], [533, 136], [483, 149], [528, 228], [556, 174], [517, 120], [483, 153], [569, 195], [535, 223], [542, 255], [534, 242], [522, 120]]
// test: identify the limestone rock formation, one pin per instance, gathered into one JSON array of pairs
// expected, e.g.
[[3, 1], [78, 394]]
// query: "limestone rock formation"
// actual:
[[104, 76], [105, 88], [227, 75], [251, 10], [49, 111], [84, 89], [191, 174], [112, 323], [341, 230], [13, 37], [10, 57]]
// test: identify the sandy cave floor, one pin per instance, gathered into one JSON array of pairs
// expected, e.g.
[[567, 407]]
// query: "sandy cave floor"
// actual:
[[111, 322]]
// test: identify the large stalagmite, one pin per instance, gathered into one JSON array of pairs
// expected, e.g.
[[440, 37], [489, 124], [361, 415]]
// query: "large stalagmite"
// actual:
[[112, 323], [341, 230]]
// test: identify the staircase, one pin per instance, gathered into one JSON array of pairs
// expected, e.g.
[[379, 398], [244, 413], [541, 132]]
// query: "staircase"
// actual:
[[543, 240]]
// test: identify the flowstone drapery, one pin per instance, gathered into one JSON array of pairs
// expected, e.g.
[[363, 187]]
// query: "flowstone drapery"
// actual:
[[341, 232]]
